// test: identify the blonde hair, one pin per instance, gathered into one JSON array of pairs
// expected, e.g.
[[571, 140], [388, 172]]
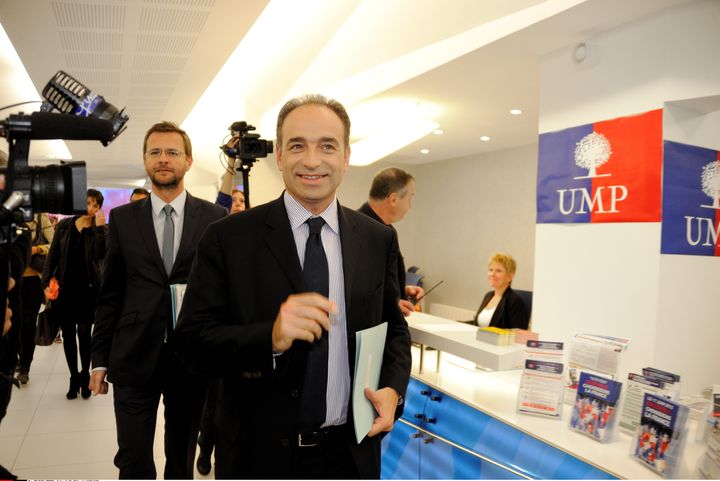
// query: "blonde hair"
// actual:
[[505, 260]]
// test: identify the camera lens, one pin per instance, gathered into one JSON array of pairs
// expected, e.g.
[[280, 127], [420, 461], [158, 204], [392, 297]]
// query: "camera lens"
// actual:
[[59, 189]]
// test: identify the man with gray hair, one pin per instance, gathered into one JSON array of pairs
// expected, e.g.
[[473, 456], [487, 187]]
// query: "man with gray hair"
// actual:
[[390, 199]]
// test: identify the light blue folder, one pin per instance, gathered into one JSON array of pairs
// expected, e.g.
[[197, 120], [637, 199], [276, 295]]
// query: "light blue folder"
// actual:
[[369, 349]]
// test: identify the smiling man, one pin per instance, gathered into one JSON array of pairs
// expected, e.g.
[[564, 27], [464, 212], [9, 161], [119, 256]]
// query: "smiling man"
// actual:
[[275, 298], [151, 246]]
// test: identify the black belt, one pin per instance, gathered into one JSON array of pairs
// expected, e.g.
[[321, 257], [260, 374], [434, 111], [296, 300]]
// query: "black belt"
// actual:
[[321, 436]]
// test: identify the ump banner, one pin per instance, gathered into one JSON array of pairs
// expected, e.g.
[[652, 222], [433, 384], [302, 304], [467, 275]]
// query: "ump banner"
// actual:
[[691, 200], [608, 171]]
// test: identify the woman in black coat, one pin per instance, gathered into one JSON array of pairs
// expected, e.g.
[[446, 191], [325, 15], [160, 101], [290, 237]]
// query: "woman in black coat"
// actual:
[[75, 257], [501, 307]]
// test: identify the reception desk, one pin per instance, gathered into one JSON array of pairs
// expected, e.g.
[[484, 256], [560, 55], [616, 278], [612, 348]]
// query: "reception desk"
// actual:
[[461, 423]]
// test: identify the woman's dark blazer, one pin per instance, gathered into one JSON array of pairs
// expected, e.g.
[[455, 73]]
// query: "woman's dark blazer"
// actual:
[[510, 312], [57, 258]]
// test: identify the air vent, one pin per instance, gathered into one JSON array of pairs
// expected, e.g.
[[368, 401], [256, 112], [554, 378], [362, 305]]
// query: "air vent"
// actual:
[[159, 63], [84, 41], [177, 21], [172, 44], [89, 16]]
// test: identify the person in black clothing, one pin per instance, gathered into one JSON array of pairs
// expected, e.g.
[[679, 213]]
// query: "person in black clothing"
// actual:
[[502, 307], [75, 256], [390, 199]]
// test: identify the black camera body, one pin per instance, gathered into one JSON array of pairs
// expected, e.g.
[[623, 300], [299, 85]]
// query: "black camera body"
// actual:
[[250, 147]]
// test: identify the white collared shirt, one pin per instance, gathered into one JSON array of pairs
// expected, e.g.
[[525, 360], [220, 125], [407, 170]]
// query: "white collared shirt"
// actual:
[[338, 384], [178, 217]]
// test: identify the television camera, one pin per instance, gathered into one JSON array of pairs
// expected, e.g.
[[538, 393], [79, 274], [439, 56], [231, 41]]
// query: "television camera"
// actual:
[[247, 148]]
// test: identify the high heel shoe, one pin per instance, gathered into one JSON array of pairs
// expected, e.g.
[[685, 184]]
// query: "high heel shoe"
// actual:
[[85, 384], [74, 386]]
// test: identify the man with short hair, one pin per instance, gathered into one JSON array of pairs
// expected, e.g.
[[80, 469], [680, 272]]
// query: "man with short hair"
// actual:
[[274, 302], [139, 193], [151, 246], [390, 199]]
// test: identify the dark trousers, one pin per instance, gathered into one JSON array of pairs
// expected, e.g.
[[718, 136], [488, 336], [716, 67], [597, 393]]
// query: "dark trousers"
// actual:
[[206, 440], [75, 335], [32, 297], [135, 414], [331, 459]]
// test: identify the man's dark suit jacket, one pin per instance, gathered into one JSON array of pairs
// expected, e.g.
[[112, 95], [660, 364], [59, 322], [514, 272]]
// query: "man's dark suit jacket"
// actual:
[[246, 266], [134, 303], [367, 210], [509, 313]]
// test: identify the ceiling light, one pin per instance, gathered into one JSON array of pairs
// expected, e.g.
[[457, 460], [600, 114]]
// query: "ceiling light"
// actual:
[[424, 151], [484, 138], [383, 126], [516, 111], [438, 131]]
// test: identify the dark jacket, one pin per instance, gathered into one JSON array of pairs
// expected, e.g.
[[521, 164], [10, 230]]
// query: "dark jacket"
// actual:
[[246, 267], [57, 258], [509, 313], [367, 210], [134, 305]]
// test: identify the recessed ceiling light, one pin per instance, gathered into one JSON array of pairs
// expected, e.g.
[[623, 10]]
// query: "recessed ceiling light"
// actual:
[[484, 138], [424, 151], [515, 111], [438, 131]]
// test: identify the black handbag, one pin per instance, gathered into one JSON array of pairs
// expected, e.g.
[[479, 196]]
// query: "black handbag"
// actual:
[[37, 261], [46, 329]]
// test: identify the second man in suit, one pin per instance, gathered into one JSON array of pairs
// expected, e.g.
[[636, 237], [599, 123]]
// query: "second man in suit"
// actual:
[[151, 246]]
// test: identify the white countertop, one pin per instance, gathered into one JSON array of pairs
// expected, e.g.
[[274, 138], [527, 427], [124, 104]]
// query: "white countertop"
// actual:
[[495, 393]]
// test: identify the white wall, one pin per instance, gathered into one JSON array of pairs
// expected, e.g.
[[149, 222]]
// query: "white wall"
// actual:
[[466, 209], [611, 279]]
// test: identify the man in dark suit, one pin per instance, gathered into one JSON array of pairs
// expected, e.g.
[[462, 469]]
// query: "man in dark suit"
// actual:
[[274, 301], [151, 245], [390, 199]]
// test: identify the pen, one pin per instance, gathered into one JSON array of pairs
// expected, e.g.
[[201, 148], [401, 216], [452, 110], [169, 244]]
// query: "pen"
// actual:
[[415, 301]]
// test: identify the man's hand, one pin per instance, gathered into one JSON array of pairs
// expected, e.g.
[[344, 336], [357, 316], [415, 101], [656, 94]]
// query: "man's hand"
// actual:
[[385, 402], [99, 218], [302, 317], [413, 293], [98, 385]]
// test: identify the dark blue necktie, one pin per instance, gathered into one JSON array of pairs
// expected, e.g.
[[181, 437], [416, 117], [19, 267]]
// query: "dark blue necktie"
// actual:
[[316, 279]]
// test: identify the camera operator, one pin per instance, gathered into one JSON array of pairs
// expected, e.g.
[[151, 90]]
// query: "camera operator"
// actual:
[[17, 253], [230, 198]]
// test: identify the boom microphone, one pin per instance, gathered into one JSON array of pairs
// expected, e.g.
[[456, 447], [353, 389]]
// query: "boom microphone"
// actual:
[[47, 125], [69, 96]]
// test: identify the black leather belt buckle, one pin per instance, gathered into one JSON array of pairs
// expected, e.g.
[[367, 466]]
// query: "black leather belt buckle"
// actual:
[[309, 439]]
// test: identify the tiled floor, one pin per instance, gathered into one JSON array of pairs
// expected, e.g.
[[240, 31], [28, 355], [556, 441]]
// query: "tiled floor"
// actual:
[[46, 436]]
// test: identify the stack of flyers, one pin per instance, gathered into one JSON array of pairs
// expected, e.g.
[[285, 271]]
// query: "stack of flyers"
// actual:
[[541, 382], [660, 438], [635, 390], [595, 410]]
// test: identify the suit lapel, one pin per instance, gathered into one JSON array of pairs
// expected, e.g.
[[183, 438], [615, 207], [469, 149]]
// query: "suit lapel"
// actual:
[[147, 231], [281, 243], [350, 241]]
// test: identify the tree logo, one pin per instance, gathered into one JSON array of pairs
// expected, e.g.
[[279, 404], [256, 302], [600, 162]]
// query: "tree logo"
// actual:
[[710, 181], [591, 152]]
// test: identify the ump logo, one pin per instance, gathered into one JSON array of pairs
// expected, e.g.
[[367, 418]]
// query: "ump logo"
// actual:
[[603, 172], [691, 200]]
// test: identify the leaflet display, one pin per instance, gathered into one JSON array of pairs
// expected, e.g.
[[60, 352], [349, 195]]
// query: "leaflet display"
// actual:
[[659, 440], [595, 411], [542, 380]]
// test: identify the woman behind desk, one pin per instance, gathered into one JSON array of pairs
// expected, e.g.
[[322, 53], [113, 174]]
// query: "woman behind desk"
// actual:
[[502, 307]]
